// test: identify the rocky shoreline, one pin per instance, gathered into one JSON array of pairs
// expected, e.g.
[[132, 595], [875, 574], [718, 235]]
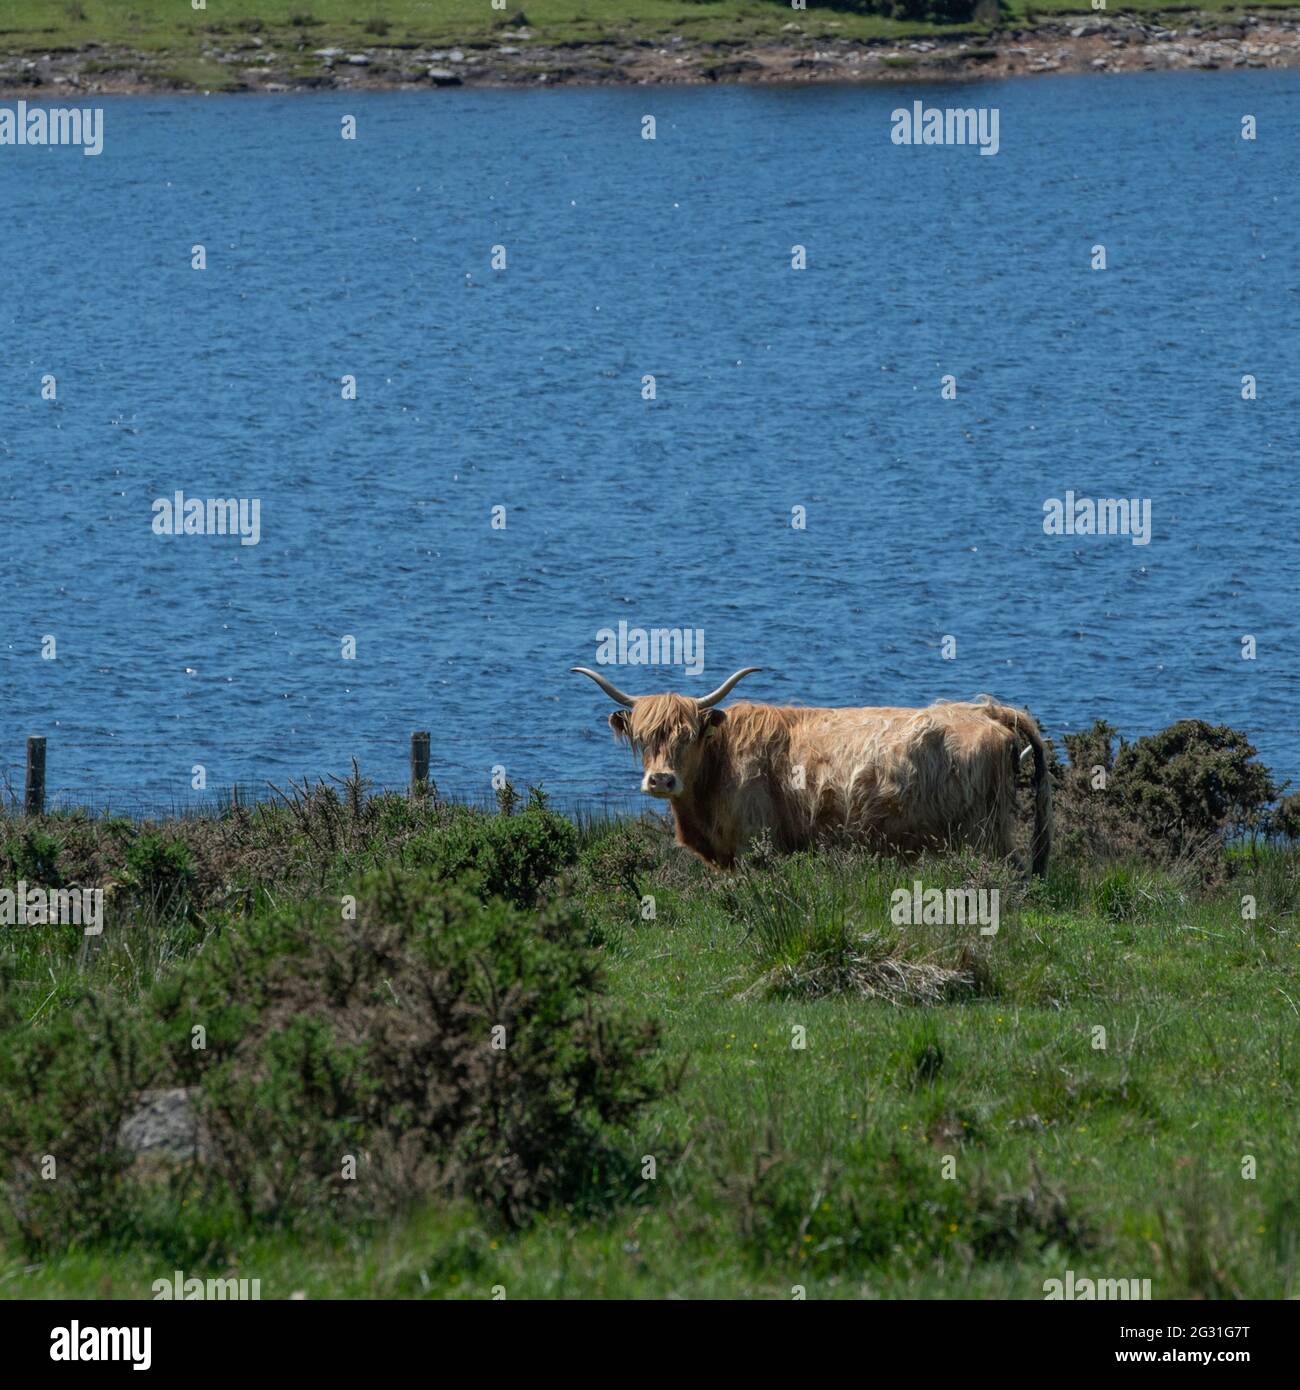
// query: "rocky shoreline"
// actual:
[[249, 62]]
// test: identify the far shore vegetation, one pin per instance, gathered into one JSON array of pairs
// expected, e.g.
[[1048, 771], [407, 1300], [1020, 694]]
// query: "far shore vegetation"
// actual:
[[167, 45], [29, 26]]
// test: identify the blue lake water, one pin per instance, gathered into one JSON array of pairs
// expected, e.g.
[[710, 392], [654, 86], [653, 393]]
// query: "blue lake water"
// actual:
[[523, 389]]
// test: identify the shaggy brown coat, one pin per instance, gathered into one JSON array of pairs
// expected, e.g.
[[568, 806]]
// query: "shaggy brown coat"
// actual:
[[898, 779]]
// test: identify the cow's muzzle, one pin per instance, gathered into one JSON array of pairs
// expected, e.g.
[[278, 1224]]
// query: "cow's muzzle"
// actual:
[[660, 784]]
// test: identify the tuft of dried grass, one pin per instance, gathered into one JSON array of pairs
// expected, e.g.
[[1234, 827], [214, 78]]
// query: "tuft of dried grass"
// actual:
[[872, 968]]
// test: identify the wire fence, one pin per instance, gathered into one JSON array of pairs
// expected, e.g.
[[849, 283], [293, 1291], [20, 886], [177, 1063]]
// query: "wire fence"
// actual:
[[30, 792]]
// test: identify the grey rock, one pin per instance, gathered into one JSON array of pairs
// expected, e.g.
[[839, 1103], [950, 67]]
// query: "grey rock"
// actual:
[[165, 1124], [444, 77]]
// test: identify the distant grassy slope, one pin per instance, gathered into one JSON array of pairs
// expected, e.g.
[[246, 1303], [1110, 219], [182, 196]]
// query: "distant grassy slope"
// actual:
[[27, 25]]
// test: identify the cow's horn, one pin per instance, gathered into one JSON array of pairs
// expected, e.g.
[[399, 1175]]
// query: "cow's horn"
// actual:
[[725, 688], [612, 691]]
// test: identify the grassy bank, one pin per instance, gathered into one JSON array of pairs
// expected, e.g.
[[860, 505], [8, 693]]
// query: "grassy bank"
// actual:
[[252, 44], [1107, 1084], [271, 46], [162, 24]]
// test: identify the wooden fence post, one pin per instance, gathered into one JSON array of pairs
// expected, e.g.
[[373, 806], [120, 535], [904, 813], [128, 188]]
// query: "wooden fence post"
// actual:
[[34, 801], [419, 764]]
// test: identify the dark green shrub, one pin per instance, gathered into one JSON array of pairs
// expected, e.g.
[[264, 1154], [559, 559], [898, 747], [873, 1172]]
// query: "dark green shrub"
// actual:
[[33, 855], [1095, 747], [507, 799], [1193, 781], [375, 1038], [65, 849], [618, 861], [66, 1087], [1175, 794], [161, 871], [1285, 818], [1092, 822], [509, 856]]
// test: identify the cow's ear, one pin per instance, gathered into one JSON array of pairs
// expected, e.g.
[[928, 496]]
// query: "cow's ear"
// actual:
[[713, 720], [618, 721]]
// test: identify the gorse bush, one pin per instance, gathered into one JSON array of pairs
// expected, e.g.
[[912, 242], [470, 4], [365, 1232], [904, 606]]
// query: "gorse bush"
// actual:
[[317, 838], [1192, 781], [33, 856], [435, 1044], [617, 862], [1285, 819], [66, 1089], [1175, 794], [450, 1045], [161, 872], [510, 857]]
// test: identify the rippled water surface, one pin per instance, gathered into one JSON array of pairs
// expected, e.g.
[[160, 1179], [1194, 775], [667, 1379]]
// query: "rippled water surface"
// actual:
[[523, 389]]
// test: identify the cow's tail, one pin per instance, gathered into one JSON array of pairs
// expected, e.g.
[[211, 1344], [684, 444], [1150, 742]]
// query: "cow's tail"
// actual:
[[1024, 727]]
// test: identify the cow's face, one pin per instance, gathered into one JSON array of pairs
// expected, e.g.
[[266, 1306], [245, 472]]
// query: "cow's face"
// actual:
[[677, 737], [673, 735]]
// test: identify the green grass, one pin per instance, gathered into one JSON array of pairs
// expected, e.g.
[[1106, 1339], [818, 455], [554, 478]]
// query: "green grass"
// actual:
[[145, 25], [824, 1166]]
